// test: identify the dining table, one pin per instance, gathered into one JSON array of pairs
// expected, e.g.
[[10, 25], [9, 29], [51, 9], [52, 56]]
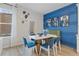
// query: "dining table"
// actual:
[[38, 39]]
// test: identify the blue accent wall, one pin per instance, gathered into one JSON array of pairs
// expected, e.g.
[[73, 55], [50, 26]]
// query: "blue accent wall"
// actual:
[[68, 34]]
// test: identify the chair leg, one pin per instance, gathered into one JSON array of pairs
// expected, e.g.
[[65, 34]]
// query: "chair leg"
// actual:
[[54, 50], [59, 44], [36, 50], [48, 50], [40, 51]]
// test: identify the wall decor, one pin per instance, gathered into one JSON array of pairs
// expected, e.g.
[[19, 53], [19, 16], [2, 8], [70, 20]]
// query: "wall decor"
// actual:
[[24, 12], [22, 21], [58, 21], [49, 22], [54, 21], [25, 16], [64, 20]]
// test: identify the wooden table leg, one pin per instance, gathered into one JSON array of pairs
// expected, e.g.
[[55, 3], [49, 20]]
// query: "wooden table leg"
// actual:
[[38, 46], [38, 49]]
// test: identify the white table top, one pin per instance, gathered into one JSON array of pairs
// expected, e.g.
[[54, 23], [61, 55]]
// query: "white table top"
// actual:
[[37, 37]]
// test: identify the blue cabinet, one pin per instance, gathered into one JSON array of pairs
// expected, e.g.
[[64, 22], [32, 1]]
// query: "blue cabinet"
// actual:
[[68, 34]]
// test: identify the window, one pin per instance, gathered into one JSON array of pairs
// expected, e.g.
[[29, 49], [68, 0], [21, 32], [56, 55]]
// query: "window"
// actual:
[[5, 24]]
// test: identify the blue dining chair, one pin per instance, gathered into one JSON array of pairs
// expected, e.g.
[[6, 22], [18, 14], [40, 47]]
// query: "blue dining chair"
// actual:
[[29, 45], [51, 44], [58, 39]]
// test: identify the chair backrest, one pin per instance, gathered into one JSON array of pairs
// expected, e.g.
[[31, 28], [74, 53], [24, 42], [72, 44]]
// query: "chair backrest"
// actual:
[[54, 32], [25, 41], [51, 42], [29, 43], [54, 40]]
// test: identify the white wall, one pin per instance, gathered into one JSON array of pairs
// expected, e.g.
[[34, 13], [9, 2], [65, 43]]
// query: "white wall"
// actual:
[[20, 30], [23, 29]]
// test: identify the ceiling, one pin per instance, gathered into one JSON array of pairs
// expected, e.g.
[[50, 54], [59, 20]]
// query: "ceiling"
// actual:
[[43, 7]]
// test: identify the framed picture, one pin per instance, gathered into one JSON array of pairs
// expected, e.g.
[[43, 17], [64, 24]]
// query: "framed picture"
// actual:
[[49, 22], [58, 21], [64, 20], [54, 21]]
